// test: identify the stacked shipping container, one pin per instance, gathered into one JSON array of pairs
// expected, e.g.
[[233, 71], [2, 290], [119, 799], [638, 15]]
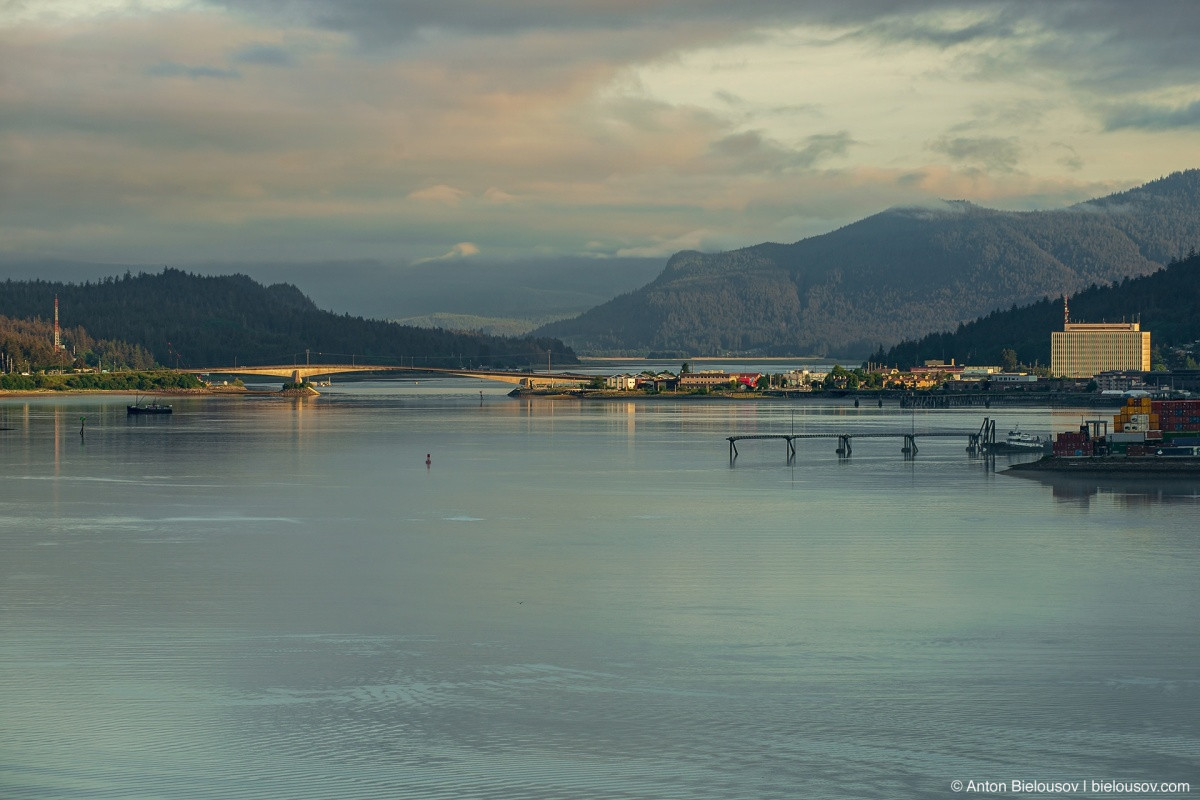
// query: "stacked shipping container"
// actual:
[[1143, 427], [1072, 443], [1178, 416]]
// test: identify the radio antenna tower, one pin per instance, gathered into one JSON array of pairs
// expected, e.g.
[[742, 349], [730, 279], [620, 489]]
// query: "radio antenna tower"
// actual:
[[57, 331]]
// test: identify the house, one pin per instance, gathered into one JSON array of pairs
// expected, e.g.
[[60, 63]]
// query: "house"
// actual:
[[622, 383], [666, 382], [802, 379]]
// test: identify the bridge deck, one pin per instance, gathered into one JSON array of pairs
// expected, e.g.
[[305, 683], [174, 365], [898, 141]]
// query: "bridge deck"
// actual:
[[304, 371]]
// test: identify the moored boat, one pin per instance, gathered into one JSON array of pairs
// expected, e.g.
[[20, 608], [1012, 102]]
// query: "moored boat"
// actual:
[[147, 408]]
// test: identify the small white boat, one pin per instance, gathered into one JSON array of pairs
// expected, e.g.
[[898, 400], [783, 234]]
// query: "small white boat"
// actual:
[[1025, 441]]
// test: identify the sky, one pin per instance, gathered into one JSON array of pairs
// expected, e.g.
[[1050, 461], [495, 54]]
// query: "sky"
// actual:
[[417, 132]]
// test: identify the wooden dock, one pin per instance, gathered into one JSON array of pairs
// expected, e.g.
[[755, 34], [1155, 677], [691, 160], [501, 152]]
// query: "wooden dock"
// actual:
[[977, 440]]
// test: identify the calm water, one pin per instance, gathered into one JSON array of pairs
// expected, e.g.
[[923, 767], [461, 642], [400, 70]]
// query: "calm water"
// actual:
[[271, 598]]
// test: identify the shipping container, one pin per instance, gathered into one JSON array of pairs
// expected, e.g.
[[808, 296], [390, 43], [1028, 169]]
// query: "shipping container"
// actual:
[[1176, 451], [1190, 441]]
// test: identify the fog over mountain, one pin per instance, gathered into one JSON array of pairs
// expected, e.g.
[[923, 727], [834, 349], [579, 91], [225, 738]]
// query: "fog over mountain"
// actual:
[[894, 275]]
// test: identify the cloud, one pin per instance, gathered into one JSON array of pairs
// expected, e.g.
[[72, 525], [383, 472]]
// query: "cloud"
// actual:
[[268, 55], [990, 152], [387, 128], [380, 21], [819, 146], [439, 193], [169, 69], [940, 32], [1070, 157], [499, 196], [458, 251], [1153, 117], [699, 239], [751, 151], [20, 12]]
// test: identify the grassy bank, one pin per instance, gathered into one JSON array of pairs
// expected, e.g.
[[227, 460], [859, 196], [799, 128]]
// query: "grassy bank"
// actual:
[[148, 381]]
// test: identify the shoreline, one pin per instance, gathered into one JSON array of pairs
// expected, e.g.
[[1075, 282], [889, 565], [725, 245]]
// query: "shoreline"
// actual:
[[925, 402], [220, 392], [1156, 466]]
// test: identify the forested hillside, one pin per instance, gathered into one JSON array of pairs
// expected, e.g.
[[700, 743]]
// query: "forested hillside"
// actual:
[[895, 275], [195, 322], [1167, 303], [28, 344]]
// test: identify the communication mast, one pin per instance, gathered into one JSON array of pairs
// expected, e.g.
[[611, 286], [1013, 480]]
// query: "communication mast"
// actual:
[[57, 331]]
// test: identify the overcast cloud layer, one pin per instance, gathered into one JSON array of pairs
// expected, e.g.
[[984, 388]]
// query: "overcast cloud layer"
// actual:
[[431, 131]]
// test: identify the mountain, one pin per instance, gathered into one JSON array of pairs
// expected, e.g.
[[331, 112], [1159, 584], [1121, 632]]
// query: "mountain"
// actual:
[[895, 275], [198, 321], [1167, 303], [503, 297]]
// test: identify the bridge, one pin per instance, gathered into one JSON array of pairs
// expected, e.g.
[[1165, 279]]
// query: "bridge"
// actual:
[[296, 373], [980, 440]]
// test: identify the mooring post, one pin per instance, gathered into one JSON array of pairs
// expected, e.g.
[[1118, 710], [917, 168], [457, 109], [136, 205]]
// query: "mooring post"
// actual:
[[843, 448]]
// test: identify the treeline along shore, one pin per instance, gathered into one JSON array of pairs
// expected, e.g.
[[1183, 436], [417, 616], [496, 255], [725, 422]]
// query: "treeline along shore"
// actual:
[[149, 381]]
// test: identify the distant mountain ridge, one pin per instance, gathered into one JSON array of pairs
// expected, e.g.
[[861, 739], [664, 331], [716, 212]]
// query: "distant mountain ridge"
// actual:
[[895, 275], [204, 321]]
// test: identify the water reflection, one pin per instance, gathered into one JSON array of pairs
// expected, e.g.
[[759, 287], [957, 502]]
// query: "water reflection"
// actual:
[[269, 597], [1124, 491]]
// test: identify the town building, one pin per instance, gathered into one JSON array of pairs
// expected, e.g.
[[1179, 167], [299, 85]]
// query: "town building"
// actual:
[[1012, 377], [1117, 380], [939, 368], [705, 379], [1085, 349], [979, 372], [623, 382]]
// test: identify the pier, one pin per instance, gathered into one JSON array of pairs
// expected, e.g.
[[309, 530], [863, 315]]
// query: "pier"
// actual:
[[977, 441]]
